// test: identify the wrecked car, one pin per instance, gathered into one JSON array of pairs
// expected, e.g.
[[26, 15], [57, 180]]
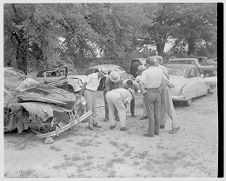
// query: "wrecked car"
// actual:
[[43, 108], [56, 77]]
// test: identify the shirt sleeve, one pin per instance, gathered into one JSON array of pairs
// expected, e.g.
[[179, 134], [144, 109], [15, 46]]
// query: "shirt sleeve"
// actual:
[[86, 80], [128, 98], [143, 76], [124, 84], [119, 85], [164, 78]]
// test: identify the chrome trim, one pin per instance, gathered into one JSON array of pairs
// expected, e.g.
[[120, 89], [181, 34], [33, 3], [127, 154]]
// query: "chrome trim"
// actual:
[[66, 127]]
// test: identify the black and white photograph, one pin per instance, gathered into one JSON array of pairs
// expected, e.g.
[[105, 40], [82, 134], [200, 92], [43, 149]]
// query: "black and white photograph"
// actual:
[[111, 89]]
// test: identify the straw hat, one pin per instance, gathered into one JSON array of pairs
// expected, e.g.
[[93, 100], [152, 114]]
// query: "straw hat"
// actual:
[[104, 71], [114, 77]]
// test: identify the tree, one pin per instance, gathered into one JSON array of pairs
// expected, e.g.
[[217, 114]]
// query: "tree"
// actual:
[[165, 21], [16, 20], [198, 23]]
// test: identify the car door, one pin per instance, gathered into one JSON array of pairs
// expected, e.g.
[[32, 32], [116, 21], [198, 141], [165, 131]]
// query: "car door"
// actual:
[[192, 85], [202, 88]]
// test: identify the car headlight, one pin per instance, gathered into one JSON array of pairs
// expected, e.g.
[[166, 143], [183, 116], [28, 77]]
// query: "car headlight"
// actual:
[[83, 101]]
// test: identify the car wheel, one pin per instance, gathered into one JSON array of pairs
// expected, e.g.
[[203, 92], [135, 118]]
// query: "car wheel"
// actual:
[[188, 102]]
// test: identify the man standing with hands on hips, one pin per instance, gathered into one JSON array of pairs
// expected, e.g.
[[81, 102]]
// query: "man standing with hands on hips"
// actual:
[[151, 84]]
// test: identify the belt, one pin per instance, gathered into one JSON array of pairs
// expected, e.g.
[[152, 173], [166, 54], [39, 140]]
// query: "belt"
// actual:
[[91, 90], [153, 89]]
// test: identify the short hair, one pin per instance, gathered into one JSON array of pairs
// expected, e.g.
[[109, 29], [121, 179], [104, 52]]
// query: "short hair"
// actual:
[[129, 82], [150, 61]]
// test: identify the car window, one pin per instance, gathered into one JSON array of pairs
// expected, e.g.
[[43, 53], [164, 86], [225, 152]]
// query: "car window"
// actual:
[[197, 72], [191, 73], [90, 71], [175, 71], [180, 61]]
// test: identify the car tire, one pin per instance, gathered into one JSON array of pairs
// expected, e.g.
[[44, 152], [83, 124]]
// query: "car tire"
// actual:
[[188, 102]]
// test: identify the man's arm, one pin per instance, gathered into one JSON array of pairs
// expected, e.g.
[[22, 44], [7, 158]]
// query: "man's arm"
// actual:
[[165, 82], [85, 84], [142, 89]]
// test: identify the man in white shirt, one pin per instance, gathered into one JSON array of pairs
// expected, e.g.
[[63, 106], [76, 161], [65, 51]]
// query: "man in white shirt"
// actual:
[[90, 90], [151, 84], [119, 99], [167, 107]]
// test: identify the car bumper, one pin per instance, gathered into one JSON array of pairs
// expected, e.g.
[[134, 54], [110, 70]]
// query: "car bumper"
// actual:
[[66, 127], [179, 98]]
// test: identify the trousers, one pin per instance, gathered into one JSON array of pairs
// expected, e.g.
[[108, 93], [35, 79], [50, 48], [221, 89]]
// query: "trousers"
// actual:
[[91, 104], [152, 99], [106, 108], [132, 106], [167, 108], [114, 100]]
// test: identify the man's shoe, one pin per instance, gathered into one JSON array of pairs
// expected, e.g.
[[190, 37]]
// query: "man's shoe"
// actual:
[[174, 130], [124, 129], [90, 127], [162, 126], [148, 135], [112, 126], [143, 117], [97, 125]]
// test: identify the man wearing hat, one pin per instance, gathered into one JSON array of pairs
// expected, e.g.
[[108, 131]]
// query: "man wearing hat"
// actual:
[[167, 107], [119, 99], [151, 84], [90, 90], [113, 81]]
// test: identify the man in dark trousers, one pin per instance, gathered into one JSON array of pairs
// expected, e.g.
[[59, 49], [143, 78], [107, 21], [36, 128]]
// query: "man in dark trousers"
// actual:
[[113, 81], [126, 84], [151, 84]]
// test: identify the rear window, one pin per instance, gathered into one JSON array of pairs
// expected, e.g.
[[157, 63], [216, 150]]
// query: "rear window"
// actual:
[[176, 71], [181, 61], [90, 71]]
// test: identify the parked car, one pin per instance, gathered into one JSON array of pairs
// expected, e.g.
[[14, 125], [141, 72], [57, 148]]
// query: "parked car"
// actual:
[[188, 82], [140, 61], [206, 70], [56, 77], [111, 67], [43, 108], [204, 61]]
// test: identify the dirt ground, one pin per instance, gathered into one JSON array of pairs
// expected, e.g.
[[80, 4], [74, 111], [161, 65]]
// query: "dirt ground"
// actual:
[[80, 152]]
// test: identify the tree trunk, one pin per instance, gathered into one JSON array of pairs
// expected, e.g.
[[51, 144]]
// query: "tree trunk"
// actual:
[[21, 53], [191, 46], [160, 48]]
